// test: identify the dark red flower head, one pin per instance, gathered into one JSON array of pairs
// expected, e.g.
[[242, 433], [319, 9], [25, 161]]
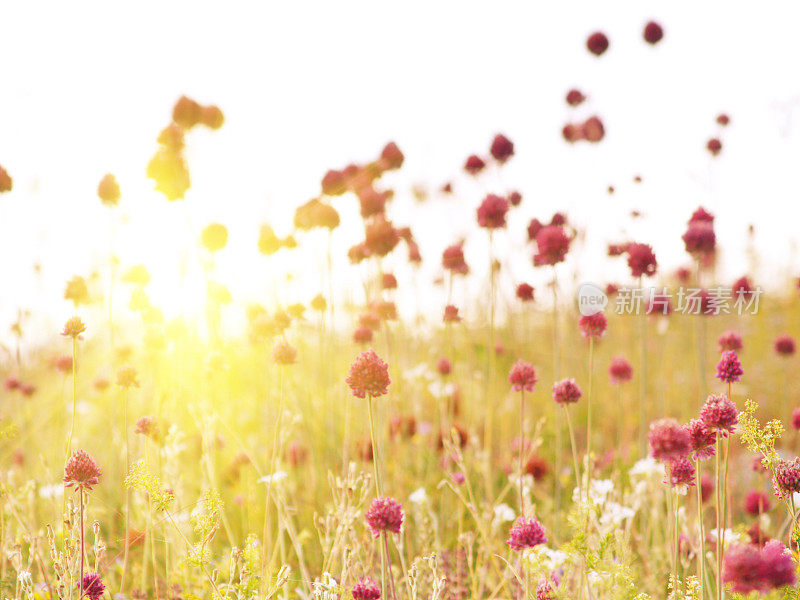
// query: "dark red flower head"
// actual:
[[723, 119], [641, 260], [492, 212], [366, 589], [522, 376], [593, 130], [729, 368], [784, 345], [796, 418], [92, 586], [703, 439], [369, 375], [593, 326], [575, 97], [714, 146], [756, 502], [451, 314], [699, 239], [525, 292], [474, 164], [653, 33], [453, 259], [552, 245], [720, 413], [385, 514], [597, 43], [620, 370], [526, 533], [566, 391], [668, 440], [391, 157], [81, 471], [502, 148], [730, 340], [381, 236]]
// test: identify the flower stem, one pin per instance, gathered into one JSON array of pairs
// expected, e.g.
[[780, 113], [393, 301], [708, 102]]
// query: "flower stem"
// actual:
[[702, 558], [378, 491], [521, 450]]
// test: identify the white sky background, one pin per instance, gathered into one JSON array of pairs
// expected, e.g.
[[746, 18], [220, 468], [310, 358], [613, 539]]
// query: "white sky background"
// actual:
[[310, 86]]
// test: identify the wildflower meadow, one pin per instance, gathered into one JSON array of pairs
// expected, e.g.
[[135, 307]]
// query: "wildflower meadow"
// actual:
[[447, 415]]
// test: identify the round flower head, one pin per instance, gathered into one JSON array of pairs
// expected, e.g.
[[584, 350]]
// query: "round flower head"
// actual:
[[392, 157], [779, 567], [474, 165], [742, 286], [526, 533], [653, 32], [566, 391], [381, 237], [756, 502], [366, 589], [544, 591], [597, 43], [720, 413], [593, 326], [699, 239], [787, 478], [525, 292], [620, 370], [92, 586], [796, 418], [108, 190], [552, 245], [81, 471], [451, 314], [384, 515], [592, 129], [703, 439], [283, 353], [743, 568], [514, 198], [502, 148], [729, 369], [126, 377], [492, 212], [535, 226], [668, 440], [784, 345], [641, 260], [522, 376], [730, 340], [369, 375], [453, 259], [714, 146], [575, 97], [748, 568], [73, 327], [680, 474]]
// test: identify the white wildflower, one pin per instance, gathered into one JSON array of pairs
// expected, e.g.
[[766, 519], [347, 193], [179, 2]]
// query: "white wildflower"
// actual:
[[646, 468], [504, 513], [275, 477], [418, 496]]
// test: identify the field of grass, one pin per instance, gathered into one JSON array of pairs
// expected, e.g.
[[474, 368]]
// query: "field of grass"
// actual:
[[166, 458]]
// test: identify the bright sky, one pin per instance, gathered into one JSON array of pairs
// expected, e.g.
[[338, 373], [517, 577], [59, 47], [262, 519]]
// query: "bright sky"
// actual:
[[310, 86]]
